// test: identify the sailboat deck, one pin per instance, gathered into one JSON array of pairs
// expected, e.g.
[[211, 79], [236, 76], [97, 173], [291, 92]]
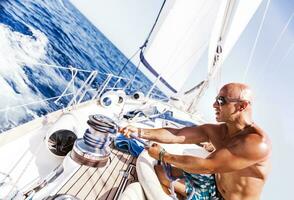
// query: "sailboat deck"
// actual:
[[102, 183]]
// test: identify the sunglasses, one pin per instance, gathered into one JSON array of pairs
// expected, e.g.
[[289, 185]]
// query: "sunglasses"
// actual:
[[221, 100]]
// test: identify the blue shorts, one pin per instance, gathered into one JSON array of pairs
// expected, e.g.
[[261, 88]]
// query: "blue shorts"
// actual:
[[201, 187]]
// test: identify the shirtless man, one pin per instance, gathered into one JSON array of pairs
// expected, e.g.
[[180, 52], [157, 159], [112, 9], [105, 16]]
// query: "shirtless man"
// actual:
[[240, 163]]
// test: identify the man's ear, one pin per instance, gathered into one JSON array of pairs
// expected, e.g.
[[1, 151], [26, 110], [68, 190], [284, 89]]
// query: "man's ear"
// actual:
[[243, 105]]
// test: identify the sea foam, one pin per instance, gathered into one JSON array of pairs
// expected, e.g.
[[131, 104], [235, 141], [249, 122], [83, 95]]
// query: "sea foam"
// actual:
[[18, 50]]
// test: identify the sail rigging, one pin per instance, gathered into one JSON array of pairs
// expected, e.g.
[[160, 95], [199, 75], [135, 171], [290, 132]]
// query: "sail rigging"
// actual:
[[180, 41], [233, 17], [255, 42], [183, 36]]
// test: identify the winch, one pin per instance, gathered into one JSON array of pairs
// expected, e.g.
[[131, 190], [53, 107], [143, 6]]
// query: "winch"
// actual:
[[93, 149]]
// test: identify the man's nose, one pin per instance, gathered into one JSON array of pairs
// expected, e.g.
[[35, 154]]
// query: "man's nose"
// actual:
[[215, 104]]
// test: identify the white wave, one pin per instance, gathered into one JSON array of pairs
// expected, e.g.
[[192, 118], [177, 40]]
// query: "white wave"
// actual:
[[17, 50]]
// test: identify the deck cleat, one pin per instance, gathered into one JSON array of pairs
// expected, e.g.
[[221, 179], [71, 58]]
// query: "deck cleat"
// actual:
[[93, 149]]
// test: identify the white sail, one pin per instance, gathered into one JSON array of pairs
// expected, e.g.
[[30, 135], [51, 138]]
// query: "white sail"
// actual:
[[180, 40], [185, 31], [231, 20], [230, 26]]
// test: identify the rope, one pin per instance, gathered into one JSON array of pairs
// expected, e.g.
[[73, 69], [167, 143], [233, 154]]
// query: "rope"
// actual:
[[71, 82], [215, 65], [34, 102], [134, 76], [255, 42], [57, 98], [172, 180], [145, 43], [156, 20], [54, 66], [123, 68], [71, 68], [142, 48]]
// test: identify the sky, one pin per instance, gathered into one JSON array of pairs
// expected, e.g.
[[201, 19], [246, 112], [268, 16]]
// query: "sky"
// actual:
[[270, 74], [126, 23]]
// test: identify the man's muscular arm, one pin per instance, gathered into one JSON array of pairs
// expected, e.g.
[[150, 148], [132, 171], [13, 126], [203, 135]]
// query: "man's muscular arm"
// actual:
[[189, 135], [250, 150]]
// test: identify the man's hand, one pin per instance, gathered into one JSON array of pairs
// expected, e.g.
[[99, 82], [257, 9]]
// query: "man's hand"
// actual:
[[126, 131], [154, 151]]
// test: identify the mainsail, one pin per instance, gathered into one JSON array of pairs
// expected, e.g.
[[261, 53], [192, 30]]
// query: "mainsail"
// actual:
[[180, 40], [188, 32], [189, 29], [232, 19]]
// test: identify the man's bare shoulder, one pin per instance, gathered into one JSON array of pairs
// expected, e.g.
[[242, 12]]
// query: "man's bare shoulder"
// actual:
[[254, 145]]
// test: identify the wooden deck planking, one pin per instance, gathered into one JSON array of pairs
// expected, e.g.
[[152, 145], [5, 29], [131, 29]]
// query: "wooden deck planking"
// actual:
[[112, 183], [70, 183], [102, 183], [121, 182], [79, 175], [99, 182]]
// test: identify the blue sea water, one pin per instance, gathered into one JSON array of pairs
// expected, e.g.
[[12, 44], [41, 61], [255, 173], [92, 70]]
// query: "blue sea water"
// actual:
[[51, 32]]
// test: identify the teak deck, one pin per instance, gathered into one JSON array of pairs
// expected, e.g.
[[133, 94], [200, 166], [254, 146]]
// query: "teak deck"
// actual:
[[102, 183]]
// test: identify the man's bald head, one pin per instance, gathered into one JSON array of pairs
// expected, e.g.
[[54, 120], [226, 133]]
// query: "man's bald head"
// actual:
[[237, 91]]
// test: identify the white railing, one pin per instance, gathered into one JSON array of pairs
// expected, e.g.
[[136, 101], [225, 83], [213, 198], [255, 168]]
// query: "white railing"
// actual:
[[78, 94]]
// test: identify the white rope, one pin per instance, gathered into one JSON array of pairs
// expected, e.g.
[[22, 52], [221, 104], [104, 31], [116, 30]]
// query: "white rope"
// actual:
[[255, 42], [173, 194], [87, 86], [114, 86], [57, 98], [53, 66], [70, 68], [34, 102], [71, 82]]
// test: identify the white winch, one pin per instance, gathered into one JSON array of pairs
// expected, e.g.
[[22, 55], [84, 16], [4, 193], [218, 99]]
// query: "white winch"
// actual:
[[93, 149]]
